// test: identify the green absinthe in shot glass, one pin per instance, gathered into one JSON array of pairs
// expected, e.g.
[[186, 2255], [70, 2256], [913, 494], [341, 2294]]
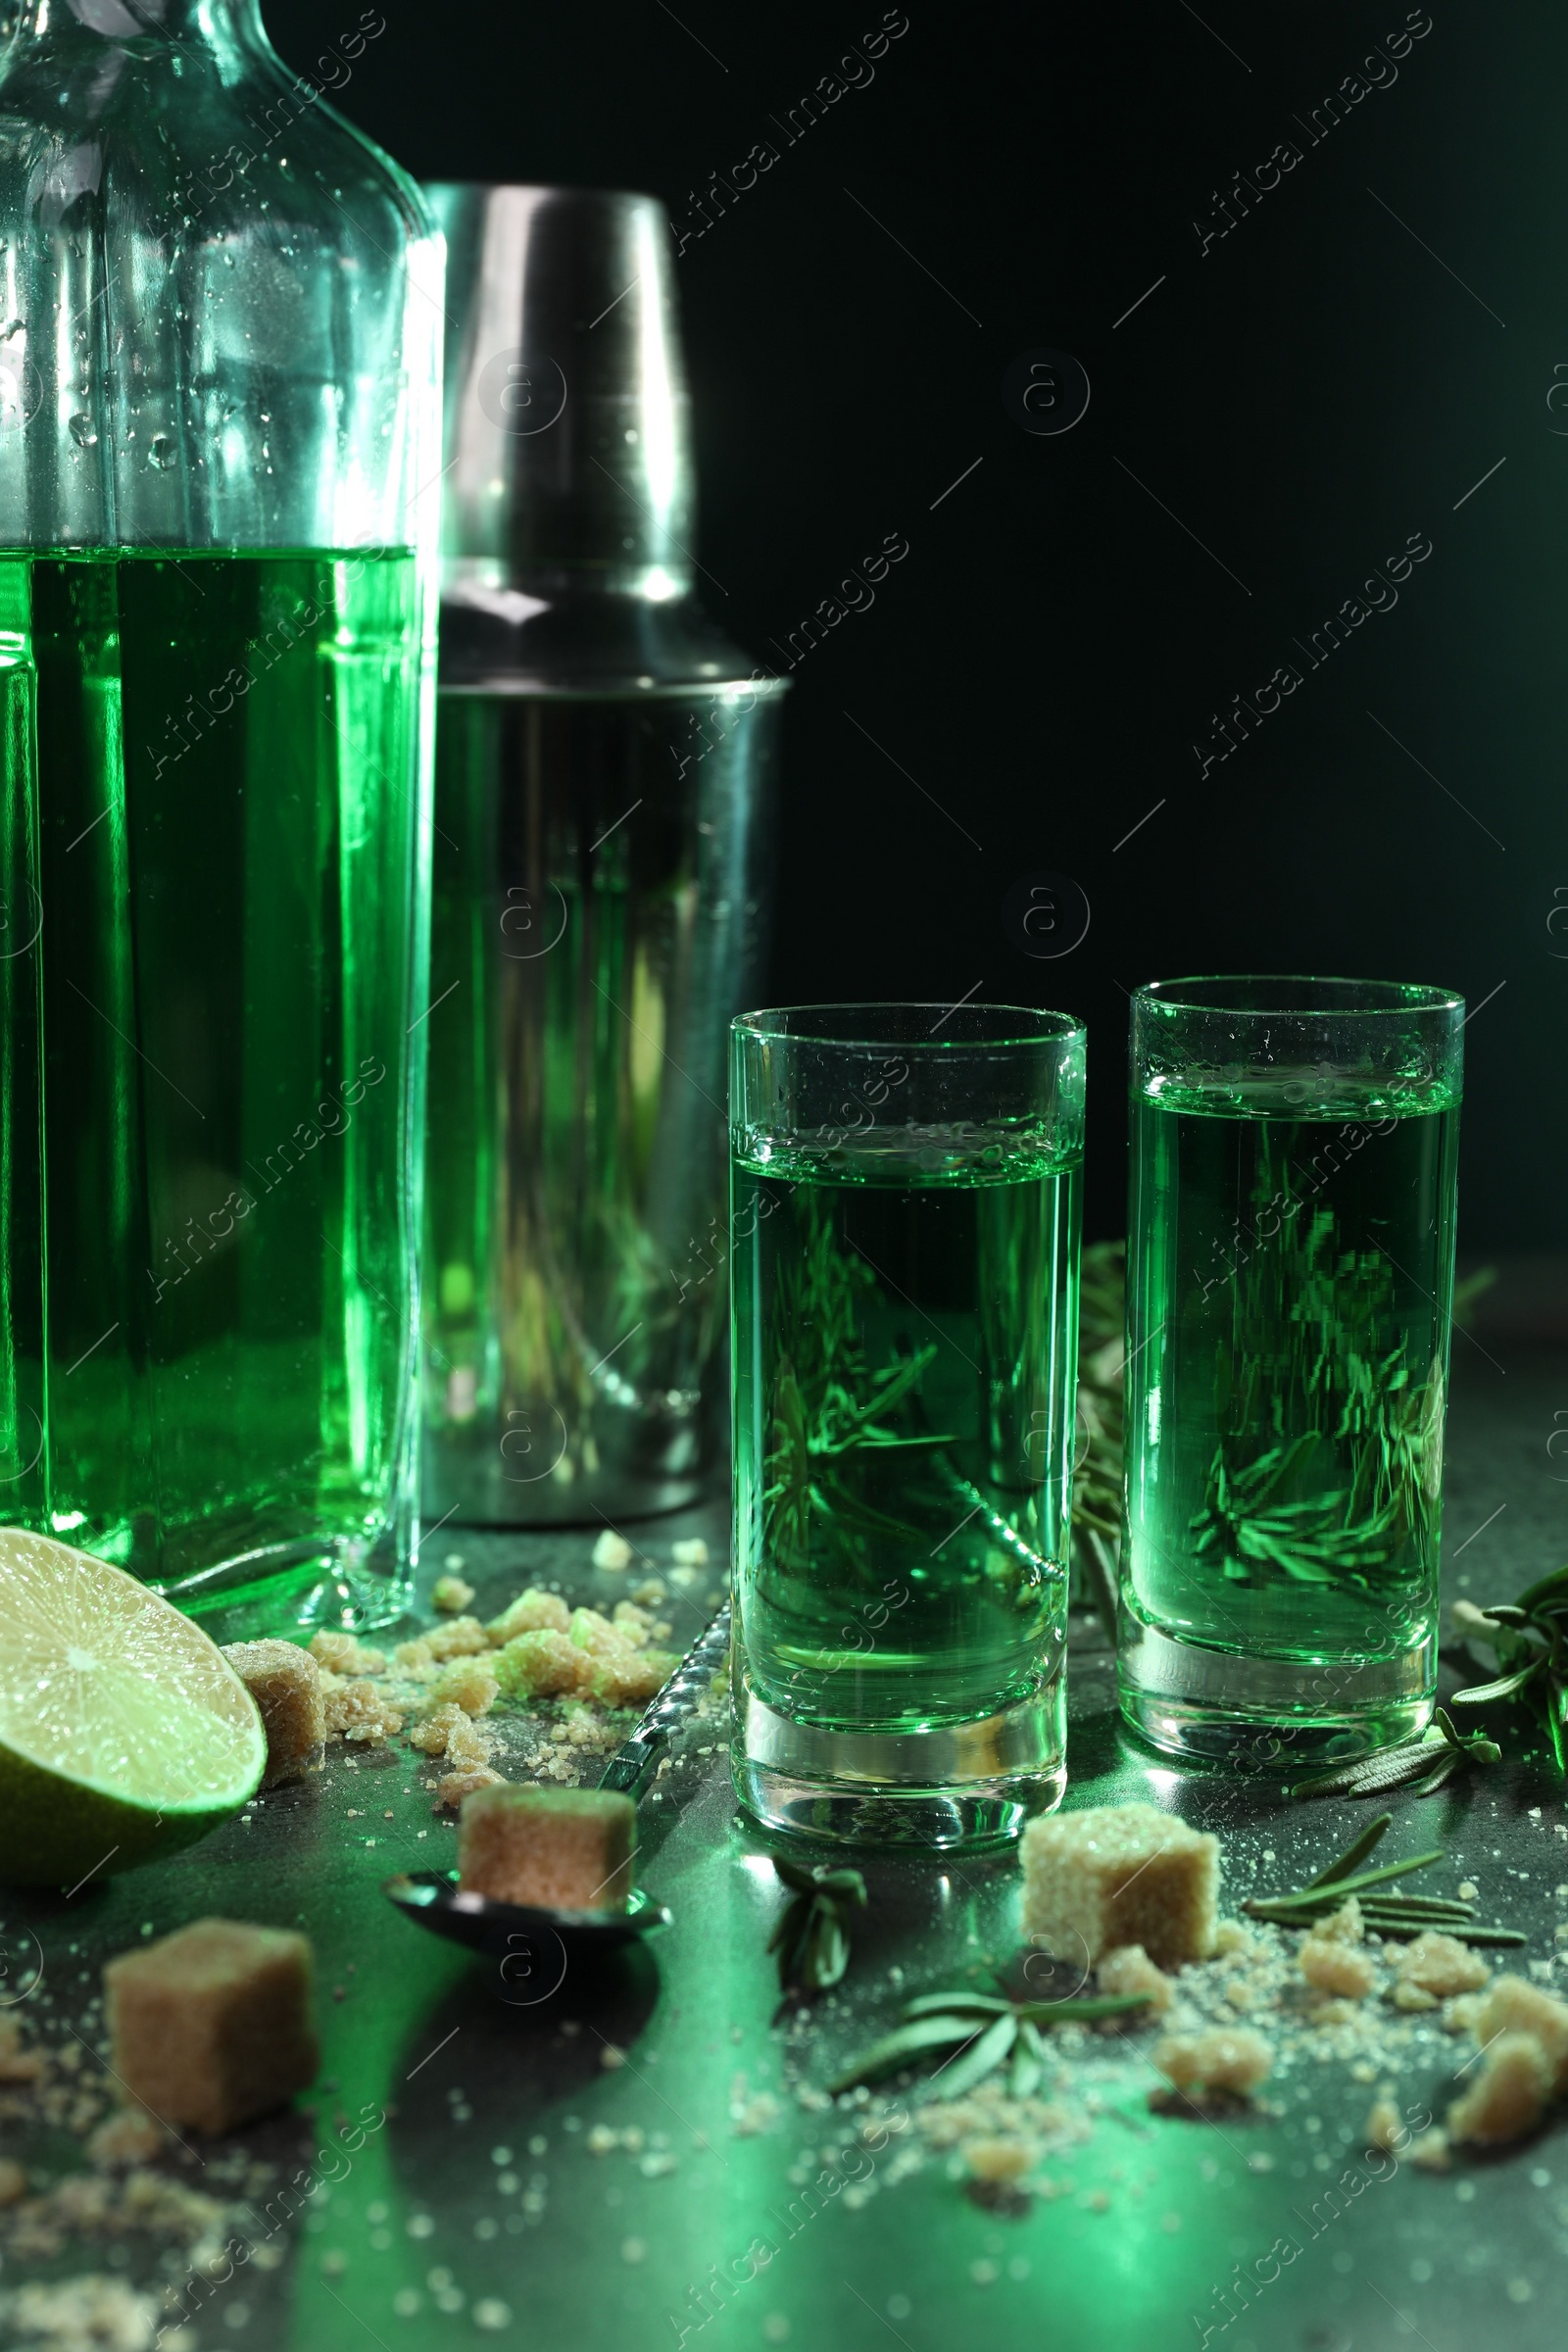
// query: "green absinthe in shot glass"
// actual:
[[1290, 1283], [905, 1258]]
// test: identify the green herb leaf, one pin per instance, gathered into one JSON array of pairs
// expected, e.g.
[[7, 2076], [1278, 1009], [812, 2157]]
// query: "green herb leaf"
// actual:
[[1090, 2011], [811, 1936], [932, 2004], [962, 2074], [1023, 2076], [894, 2049], [1481, 1694], [825, 1954], [1355, 1854]]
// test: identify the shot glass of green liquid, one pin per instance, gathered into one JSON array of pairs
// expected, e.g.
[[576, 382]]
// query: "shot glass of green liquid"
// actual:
[[905, 1223], [1290, 1283]]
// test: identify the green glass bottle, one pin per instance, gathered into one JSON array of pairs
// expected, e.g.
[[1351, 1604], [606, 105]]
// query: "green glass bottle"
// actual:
[[218, 405]]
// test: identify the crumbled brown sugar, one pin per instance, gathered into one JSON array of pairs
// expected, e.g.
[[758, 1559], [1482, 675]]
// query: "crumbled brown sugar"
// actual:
[[454, 1787], [92, 2313], [1441, 1965], [450, 1595], [344, 1653], [1332, 1966], [532, 1612], [540, 1664], [433, 1730], [1508, 2095], [416, 1661], [470, 1682], [1384, 2126], [1511, 2006], [463, 1637], [125, 2138], [1129, 1969], [1214, 2061], [358, 1710]]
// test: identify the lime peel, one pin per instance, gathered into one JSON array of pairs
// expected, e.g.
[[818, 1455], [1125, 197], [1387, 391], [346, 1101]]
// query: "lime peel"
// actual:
[[123, 1731]]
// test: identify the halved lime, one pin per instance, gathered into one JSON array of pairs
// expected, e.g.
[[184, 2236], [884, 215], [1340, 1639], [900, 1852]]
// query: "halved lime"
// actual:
[[123, 1731]]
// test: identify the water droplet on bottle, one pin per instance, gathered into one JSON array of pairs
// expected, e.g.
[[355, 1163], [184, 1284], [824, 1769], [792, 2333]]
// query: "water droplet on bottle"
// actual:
[[161, 452], [82, 431]]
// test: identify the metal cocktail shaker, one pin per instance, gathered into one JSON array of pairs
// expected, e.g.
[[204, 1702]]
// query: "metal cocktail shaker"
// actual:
[[603, 765]]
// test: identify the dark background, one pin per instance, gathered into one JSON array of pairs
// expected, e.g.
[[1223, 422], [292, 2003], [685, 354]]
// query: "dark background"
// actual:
[[1318, 385]]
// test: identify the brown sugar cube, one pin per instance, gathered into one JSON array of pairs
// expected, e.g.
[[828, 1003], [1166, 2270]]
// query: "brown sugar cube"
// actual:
[[212, 2025], [1113, 1875], [561, 1850], [285, 1683]]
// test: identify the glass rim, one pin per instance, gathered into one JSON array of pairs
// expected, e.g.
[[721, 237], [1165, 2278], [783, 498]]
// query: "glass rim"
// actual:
[[1221, 993], [1023, 1025]]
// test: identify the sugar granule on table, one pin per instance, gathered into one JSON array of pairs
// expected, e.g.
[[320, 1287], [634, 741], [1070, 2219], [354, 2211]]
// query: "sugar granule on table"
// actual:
[[450, 1595]]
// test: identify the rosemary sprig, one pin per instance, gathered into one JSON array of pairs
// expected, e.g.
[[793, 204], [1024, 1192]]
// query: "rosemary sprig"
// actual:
[[1097, 1478], [985, 2033], [829, 1404], [1385, 1913], [1429, 1761], [1308, 1376], [812, 1939], [1529, 1639]]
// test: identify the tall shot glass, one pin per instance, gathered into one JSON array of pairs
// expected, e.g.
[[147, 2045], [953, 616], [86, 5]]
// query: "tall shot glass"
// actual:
[[904, 1213], [1290, 1285]]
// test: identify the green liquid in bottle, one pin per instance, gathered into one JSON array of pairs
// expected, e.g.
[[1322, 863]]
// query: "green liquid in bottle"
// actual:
[[905, 1364], [1288, 1337], [215, 905]]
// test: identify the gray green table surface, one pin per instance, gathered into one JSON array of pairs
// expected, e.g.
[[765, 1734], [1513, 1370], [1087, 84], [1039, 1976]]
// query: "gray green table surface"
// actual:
[[479, 2187]]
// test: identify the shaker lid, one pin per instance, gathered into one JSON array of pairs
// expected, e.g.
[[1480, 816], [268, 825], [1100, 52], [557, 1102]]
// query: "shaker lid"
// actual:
[[568, 416]]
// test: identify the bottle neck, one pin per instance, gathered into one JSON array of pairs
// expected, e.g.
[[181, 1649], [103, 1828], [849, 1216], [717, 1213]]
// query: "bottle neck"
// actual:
[[215, 24]]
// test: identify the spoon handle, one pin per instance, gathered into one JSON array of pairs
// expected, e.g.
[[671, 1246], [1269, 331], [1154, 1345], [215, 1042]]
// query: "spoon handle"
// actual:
[[634, 1760]]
